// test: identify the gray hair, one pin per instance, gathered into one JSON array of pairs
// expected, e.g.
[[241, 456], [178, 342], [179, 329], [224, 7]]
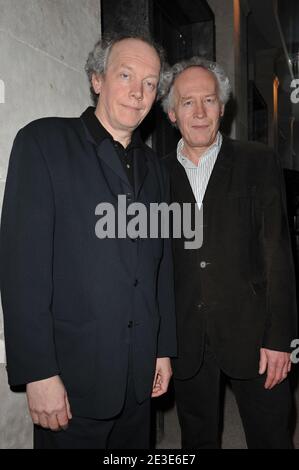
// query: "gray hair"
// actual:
[[224, 88], [98, 59]]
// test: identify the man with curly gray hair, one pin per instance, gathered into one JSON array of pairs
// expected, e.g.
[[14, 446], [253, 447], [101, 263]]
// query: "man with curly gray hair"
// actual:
[[93, 327], [235, 296]]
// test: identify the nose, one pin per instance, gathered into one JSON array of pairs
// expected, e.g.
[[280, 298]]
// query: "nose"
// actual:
[[137, 90], [199, 110]]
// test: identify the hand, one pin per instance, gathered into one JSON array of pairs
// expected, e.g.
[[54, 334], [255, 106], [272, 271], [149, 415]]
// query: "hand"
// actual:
[[162, 376], [277, 364], [48, 403]]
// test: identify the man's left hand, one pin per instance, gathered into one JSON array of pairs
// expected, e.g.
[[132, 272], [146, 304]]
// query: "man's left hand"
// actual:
[[163, 375], [277, 364]]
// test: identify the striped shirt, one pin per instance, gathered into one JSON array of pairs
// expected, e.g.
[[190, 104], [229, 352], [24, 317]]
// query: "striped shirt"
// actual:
[[199, 175]]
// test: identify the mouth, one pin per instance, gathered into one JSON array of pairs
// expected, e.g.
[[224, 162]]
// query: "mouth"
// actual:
[[133, 108], [206, 126]]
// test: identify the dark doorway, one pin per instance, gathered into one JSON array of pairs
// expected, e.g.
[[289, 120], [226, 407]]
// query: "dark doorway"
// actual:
[[184, 28]]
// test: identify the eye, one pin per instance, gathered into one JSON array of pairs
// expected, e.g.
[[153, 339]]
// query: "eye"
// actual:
[[125, 75], [151, 85], [187, 103], [210, 100]]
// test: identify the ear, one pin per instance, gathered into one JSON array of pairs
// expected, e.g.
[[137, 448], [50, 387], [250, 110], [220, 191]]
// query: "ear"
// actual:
[[222, 110], [171, 115], [96, 81]]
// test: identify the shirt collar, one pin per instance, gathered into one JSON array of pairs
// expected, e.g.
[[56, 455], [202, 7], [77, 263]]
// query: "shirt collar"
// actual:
[[99, 133], [187, 163]]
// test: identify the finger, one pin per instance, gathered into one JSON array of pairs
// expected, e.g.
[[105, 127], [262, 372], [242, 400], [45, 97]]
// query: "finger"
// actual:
[[43, 421], [62, 418], [278, 377], [270, 376], [263, 363], [276, 380], [68, 408], [53, 423], [289, 366], [158, 380], [166, 383], [158, 393], [155, 378], [156, 389], [155, 394], [285, 372], [35, 418], [157, 385]]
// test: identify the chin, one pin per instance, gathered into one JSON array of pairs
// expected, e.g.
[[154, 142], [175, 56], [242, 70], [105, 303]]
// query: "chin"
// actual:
[[202, 143], [130, 125]]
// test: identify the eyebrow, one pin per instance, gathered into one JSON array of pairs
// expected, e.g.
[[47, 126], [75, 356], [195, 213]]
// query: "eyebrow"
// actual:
[[128, 67], [186, 98]]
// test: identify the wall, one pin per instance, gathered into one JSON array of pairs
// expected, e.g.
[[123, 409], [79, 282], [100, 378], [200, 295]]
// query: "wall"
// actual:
[[44, 46], [125, 16]]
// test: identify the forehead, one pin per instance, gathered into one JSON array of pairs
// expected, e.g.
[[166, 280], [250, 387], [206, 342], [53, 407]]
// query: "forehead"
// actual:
[[195, 80], [135, 53]]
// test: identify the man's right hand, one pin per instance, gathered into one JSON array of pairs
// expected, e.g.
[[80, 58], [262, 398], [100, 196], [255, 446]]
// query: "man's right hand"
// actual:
[[48, 403]]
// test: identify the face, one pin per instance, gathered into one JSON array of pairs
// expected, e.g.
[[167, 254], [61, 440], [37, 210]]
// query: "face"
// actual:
[[196, 108], [129, 86]]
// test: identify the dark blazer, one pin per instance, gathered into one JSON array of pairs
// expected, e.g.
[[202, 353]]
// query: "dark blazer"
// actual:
[[72, 303], [238, 288]]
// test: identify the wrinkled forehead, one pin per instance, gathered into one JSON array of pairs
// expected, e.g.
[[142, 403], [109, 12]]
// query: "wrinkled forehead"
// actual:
[[195, 80], [134, 51]]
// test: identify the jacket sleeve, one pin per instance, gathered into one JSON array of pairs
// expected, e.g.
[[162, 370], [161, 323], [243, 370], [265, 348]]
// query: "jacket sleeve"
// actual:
[[281, 327], [167, 342], [26, 248]]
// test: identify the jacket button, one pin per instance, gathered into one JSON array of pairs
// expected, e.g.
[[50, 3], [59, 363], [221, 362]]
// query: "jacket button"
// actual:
[[203, 264], [136, 282], [130, 324]]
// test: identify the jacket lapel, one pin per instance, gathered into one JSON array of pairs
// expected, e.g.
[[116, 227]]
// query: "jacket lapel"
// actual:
[[181, 189], [221, 174]]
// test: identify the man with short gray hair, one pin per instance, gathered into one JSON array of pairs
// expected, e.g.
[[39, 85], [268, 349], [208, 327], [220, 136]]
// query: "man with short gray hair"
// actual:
[[235, 296], [89, 322]]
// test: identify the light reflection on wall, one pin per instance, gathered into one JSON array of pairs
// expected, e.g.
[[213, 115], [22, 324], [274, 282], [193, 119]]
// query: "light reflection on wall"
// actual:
[[275, 110]]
